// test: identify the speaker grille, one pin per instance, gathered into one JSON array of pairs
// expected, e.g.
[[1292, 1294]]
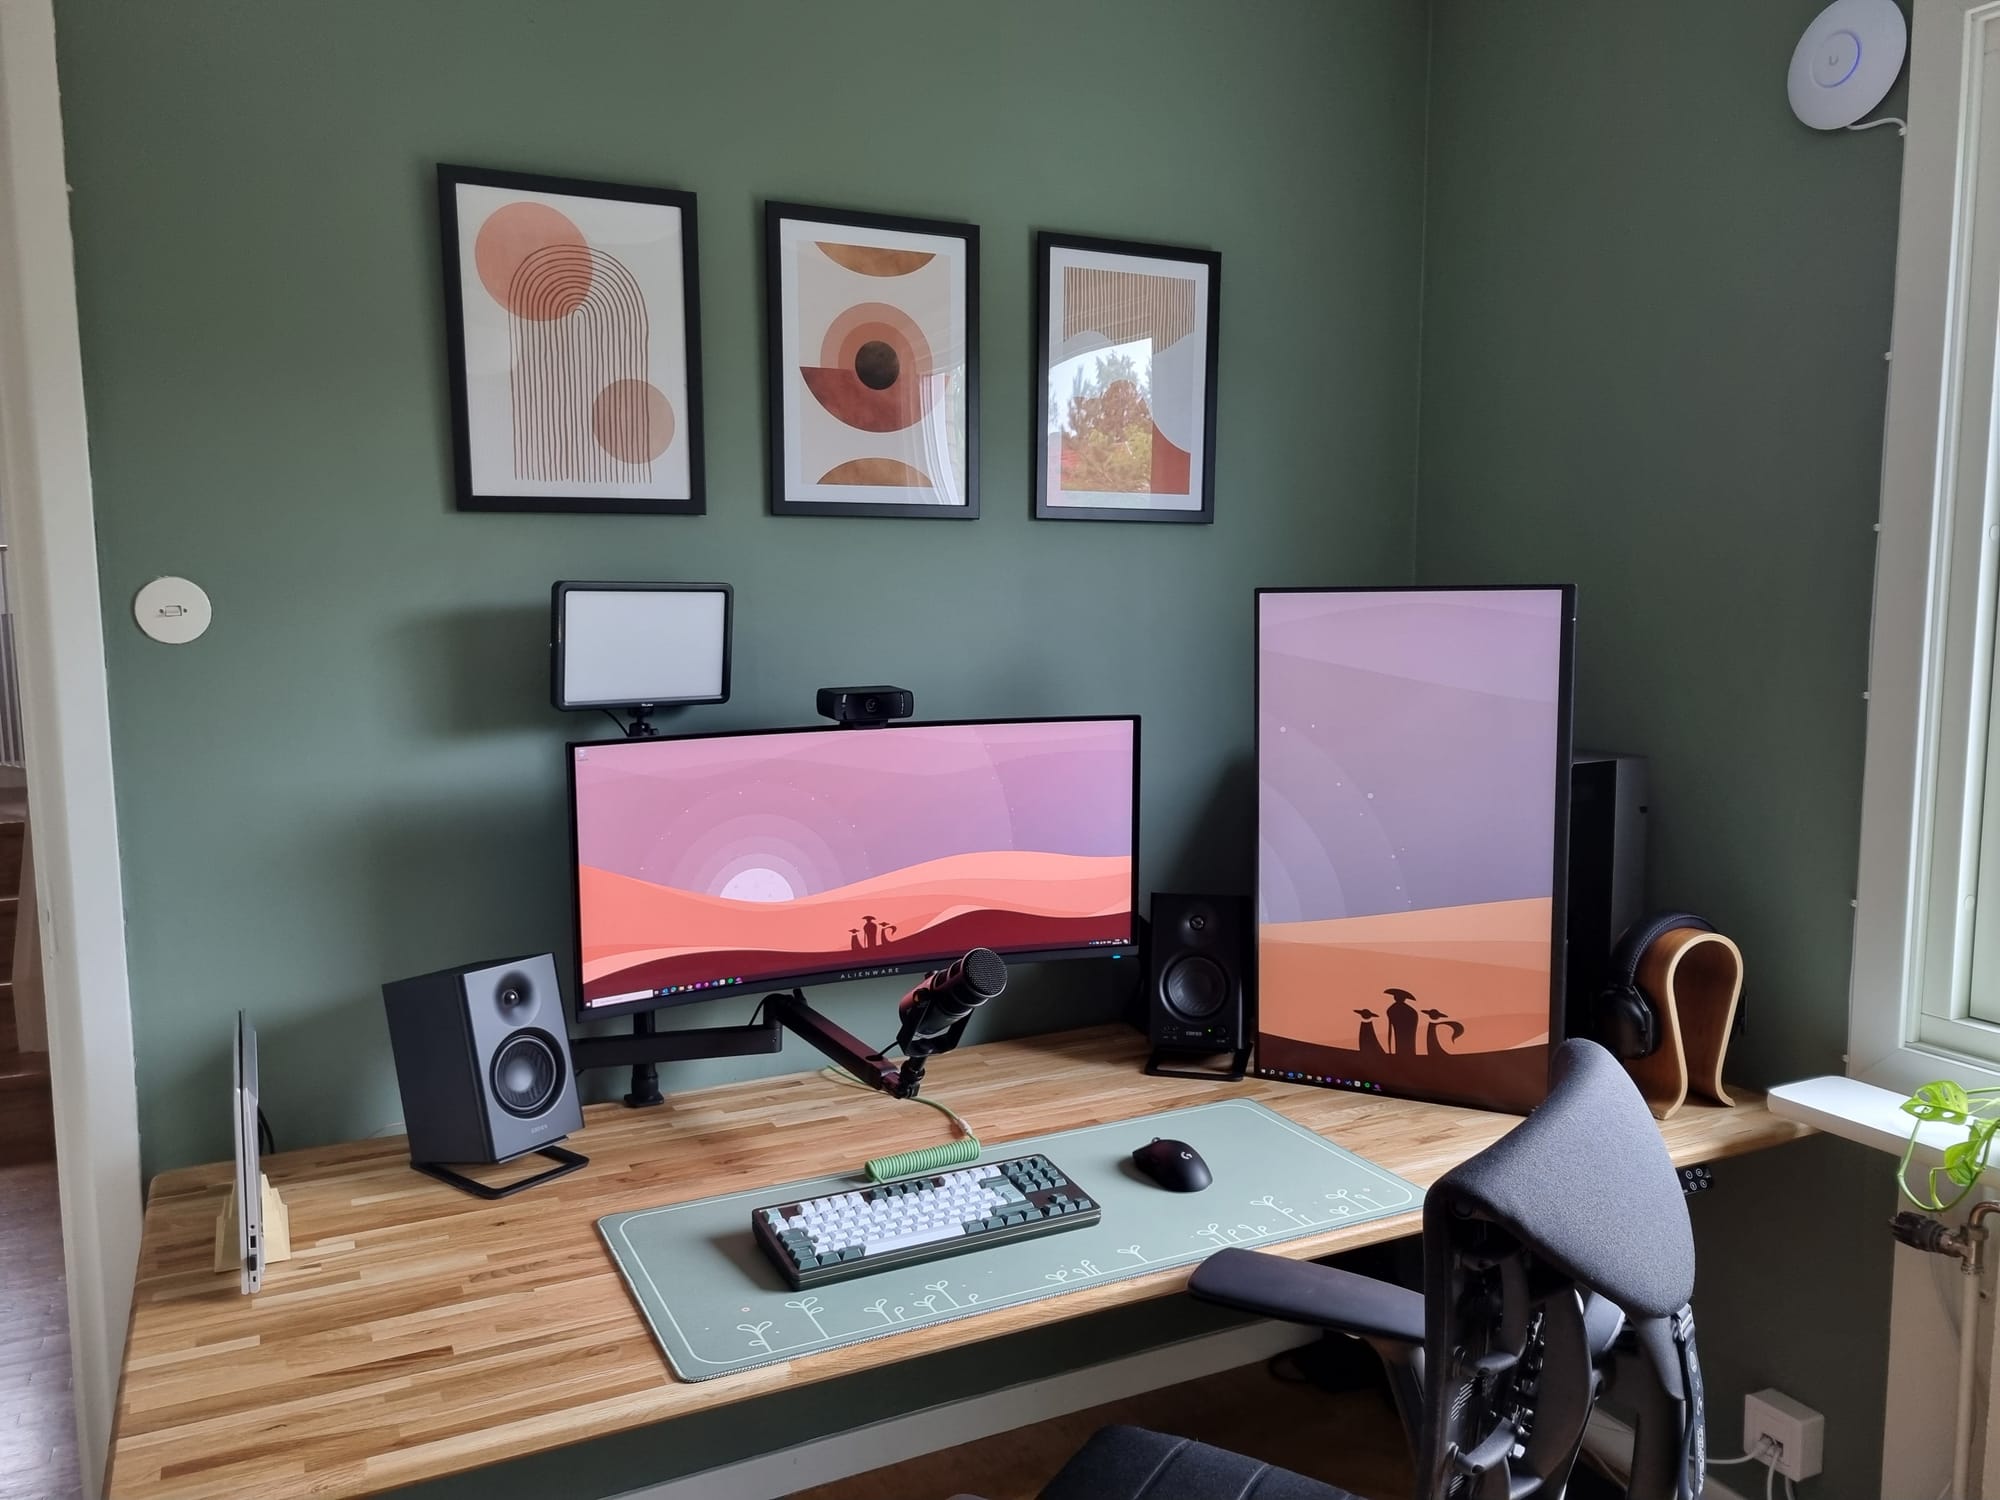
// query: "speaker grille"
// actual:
[[1194, 987], [527, 1074]]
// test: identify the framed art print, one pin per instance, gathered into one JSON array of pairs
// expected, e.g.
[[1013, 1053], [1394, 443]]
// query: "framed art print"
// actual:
[[874, 364], [573, 333], [1125, 425]]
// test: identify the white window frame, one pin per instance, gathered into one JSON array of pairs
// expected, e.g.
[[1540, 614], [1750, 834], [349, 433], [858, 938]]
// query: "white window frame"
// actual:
[[1937, 559]]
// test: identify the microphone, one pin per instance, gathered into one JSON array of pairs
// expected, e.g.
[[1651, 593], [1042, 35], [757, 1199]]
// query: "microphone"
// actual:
[[935, 1011]]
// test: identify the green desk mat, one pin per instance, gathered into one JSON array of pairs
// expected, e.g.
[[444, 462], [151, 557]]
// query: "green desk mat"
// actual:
[[716, 1305]]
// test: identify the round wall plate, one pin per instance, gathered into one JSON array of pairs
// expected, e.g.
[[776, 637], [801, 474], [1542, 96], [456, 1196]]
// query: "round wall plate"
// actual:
[[172, 610], [1847, 62]]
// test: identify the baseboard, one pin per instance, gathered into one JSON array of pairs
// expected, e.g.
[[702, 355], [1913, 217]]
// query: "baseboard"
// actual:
[[1610, 1442]]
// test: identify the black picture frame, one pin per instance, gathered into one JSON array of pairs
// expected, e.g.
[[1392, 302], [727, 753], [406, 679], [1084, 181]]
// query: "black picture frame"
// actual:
[[450, 178], [776, 214], [1047, 242]]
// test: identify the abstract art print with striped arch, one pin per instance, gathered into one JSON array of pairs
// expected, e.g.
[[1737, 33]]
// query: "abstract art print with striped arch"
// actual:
[[873, 351], [573, 334], [1125, 423]]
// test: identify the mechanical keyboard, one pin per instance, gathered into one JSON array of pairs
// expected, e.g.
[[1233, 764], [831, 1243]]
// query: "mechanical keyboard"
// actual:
[[917, 1219]]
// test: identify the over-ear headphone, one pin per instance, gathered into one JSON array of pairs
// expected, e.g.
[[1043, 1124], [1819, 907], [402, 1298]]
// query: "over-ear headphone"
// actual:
[[1626, 1021]]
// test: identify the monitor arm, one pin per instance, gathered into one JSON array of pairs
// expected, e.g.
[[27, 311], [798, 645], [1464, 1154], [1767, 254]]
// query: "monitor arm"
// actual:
[[646, 1047]]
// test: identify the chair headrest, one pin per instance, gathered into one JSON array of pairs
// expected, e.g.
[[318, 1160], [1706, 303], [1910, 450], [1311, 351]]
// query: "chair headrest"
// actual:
[[1585, 1182]]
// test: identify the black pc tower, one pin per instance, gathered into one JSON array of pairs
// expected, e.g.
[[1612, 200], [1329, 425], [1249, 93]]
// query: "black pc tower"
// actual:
[[1607, 873]]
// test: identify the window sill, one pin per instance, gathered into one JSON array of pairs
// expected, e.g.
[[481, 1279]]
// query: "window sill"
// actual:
[[1860, 1112]]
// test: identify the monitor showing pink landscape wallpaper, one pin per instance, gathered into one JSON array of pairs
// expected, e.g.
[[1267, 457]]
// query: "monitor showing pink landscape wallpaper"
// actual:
[[1413, 750], [708, 863]]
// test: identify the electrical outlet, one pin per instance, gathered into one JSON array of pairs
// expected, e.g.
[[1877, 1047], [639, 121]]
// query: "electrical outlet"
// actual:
[[1799, 1431]]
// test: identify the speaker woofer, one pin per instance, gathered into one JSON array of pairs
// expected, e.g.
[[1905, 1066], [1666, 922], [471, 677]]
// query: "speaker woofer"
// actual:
[[527, 1074], [1194, 987]]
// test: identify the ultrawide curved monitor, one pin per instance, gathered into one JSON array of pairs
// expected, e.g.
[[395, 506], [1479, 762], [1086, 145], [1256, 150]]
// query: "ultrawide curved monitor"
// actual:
[[1413, 749], [715, 865]]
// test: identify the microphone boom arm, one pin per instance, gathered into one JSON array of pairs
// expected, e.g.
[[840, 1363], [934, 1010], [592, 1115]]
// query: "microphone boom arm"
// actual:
[[930, 1020], [790, 1010]]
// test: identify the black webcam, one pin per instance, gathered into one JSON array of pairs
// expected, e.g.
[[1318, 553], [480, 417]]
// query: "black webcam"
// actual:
[[866, 707]]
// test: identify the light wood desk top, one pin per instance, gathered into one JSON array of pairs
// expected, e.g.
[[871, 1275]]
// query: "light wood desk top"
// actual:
[[419, 1332]]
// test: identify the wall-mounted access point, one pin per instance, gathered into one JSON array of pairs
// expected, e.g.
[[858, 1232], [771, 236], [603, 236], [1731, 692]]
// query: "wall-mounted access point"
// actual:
[[1847, 62], [172, 610]]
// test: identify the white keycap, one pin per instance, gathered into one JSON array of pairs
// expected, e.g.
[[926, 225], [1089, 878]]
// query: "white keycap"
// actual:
[[914, 1237]]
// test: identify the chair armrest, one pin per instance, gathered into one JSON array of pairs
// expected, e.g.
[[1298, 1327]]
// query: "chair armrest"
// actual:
[[1298, 1291]]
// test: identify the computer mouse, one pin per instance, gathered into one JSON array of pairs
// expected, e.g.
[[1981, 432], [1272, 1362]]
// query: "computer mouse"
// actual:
[[1173, 1165]]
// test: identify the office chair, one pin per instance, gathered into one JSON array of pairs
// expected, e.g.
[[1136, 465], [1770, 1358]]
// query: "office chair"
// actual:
[[1558, 1265]]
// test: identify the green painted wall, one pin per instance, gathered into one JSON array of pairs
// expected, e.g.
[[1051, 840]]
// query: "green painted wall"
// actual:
[[355, 775], [1655, 310]]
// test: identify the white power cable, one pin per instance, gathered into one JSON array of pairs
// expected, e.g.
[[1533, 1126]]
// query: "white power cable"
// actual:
[[1766, 1450]]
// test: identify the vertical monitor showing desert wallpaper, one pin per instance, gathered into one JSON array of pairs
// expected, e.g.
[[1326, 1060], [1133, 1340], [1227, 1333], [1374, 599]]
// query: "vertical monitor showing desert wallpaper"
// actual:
[[706, 864], [1412, 746]]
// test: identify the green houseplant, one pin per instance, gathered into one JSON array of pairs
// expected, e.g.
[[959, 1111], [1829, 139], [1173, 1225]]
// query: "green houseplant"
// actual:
[[1948, 1103]]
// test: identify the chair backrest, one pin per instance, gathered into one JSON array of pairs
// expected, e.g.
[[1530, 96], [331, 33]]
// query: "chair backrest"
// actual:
[[1557, 1262]]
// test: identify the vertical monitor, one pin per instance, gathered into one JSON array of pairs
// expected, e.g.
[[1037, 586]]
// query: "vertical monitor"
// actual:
[[715, 865], [1413, 754]]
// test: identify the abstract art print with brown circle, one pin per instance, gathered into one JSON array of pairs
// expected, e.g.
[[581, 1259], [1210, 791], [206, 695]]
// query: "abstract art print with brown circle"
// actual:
[[571, 312], [874, 368]]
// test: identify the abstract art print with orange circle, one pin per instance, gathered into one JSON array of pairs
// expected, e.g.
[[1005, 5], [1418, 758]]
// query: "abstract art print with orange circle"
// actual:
[[874, 364], [571, 312]]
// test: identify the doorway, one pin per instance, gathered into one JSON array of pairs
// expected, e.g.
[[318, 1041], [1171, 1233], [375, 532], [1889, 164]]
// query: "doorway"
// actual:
[[38, 1452]]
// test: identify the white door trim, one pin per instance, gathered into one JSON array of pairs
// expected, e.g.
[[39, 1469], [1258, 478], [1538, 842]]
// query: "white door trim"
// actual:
[[45, 487]]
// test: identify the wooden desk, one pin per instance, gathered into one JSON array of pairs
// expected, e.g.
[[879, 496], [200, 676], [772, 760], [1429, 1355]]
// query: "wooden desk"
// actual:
[[419, 1332]]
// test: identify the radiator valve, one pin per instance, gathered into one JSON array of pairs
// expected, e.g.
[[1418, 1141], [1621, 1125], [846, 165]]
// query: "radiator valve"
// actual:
[[1966, 1245]]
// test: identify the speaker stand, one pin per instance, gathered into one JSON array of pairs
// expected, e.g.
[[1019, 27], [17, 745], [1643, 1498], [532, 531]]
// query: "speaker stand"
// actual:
[[1239, 1064], [565, 1163]]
